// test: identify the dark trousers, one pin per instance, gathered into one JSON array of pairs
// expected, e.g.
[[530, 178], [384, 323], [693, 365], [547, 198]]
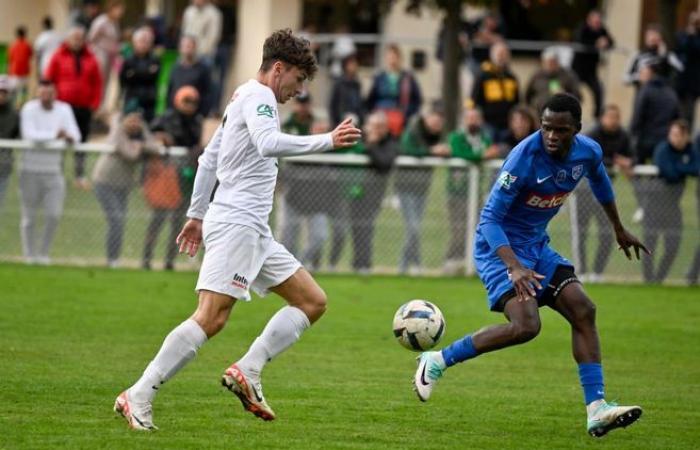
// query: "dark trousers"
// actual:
[[363, 214], [593, 82], [159, 217], [457, 210], [587, 208], [83, 117], [662, 219], [114, 202]]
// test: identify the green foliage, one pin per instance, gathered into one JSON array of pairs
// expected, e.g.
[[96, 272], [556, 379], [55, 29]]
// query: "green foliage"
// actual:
[[72, 339]]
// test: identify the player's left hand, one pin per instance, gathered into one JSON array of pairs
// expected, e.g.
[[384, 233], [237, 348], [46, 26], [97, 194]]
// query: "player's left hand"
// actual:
[[190, 238], [625, 240]]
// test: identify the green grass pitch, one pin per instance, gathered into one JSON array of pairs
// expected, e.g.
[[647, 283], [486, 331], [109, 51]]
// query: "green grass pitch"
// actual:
[[72, 339]]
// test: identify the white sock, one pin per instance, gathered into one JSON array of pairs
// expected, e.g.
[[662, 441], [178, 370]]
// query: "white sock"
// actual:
[[178, 348], [283, 330], [592, 406]]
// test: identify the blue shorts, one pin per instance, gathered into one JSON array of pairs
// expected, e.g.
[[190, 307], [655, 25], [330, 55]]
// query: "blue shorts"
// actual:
[[538, 257]]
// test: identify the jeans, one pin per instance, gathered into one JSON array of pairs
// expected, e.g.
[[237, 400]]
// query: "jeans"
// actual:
[[587, 207], [317, 234], [412, 209], [114, 202], [662, 218], [159, 217], [37, 190], [4, 182], [457, 210]]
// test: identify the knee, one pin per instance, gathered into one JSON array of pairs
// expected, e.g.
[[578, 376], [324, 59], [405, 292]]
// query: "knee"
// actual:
[[314, 305], [525, 330], [584, 313], [211, 325]]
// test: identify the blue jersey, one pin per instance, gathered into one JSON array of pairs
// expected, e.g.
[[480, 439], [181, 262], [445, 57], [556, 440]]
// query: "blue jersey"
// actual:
[[532, 187]]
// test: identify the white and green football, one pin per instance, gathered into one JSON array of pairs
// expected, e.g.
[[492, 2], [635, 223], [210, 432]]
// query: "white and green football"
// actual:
[[418, 325]]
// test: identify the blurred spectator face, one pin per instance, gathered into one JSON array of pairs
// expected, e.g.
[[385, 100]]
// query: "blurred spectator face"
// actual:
[[594, 20], [302, 106], [392, 59], [500, 54], [350, 66], [652, 38], [550, 63], [520, 125], [91, 9], [4, 96], [115, 11], [46, 95], [199, 3], [678, 137], [473, 120], [76, 39], [694, 21], [132, 124], [186, 100], [434, 122], [143, 41], [376, 128], [610, 120], [188, 47]]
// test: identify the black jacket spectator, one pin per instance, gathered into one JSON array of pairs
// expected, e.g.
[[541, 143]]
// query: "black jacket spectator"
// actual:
[[495, 91], [655, 107], [688, 49], [139, 80], [346, 95], [197, 75], [9, 129], [613, 143], [593, 36]]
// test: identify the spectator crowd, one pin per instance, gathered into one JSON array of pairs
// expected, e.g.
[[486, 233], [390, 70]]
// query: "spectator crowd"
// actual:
[[332, 203]]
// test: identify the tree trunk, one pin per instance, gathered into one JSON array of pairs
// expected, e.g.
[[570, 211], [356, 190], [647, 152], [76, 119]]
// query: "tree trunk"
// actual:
[[452, 61]]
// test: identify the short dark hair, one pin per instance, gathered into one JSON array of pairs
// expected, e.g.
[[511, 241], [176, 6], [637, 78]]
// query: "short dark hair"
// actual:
[[283, 46], [21, 31], [564, 103], [47, 23], [682, 124], [45, 82]]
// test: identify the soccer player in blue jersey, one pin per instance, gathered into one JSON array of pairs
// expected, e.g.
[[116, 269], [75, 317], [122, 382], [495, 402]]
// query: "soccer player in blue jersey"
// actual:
[[519, 269]]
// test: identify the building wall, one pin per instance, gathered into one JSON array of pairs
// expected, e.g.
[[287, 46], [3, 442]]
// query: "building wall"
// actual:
[[30, 14]]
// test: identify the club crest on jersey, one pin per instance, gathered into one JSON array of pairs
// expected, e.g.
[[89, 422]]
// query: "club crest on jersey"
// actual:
[[266, 110], [543, 201], [561, 176], [506, 180], [577, 171]]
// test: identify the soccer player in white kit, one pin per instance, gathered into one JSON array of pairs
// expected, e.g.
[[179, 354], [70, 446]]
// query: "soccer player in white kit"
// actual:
[[241, 253]]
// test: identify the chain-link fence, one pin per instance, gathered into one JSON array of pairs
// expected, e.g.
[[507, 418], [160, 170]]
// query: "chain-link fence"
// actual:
[[337, 214]]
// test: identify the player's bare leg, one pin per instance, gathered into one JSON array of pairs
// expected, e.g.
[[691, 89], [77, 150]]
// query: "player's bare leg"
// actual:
[[523, 325], [580, 312], [179, 348], [306, 304]]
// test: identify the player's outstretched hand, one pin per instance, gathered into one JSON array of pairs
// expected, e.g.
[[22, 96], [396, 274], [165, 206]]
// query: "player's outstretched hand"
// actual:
[[524, 282], [625, 240], [190, 238], [345, 134]]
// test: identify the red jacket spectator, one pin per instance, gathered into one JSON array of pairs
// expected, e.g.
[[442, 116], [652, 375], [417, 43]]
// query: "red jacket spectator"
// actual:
[[20, 55], [76, 76]]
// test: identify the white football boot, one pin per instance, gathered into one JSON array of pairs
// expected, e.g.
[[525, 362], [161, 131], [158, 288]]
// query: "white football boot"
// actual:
[[139, 416], [608, 416], [429, 371], [249, 392]]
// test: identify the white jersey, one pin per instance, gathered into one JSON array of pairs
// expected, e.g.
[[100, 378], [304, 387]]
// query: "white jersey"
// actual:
[[242, 157]]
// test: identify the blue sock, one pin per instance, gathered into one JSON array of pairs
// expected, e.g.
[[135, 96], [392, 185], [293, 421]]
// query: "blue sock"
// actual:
[[460, 350], [591, 376]]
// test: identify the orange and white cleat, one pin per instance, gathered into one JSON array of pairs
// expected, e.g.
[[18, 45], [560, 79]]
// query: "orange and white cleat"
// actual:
[[248, 392], [139, 416]]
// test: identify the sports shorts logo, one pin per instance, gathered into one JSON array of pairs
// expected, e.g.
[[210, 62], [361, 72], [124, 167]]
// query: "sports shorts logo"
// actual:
[[540, 201], [505, 179], [240, 281], [265, 110]]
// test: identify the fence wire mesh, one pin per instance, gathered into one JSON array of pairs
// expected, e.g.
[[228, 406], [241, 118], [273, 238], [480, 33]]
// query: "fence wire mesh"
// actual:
[[336, 214]]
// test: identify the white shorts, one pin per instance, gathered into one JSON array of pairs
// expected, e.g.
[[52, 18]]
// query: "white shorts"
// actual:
[[237, 258]]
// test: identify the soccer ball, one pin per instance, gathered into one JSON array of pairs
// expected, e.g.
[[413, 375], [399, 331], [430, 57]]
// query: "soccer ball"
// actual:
[[418, 325]]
